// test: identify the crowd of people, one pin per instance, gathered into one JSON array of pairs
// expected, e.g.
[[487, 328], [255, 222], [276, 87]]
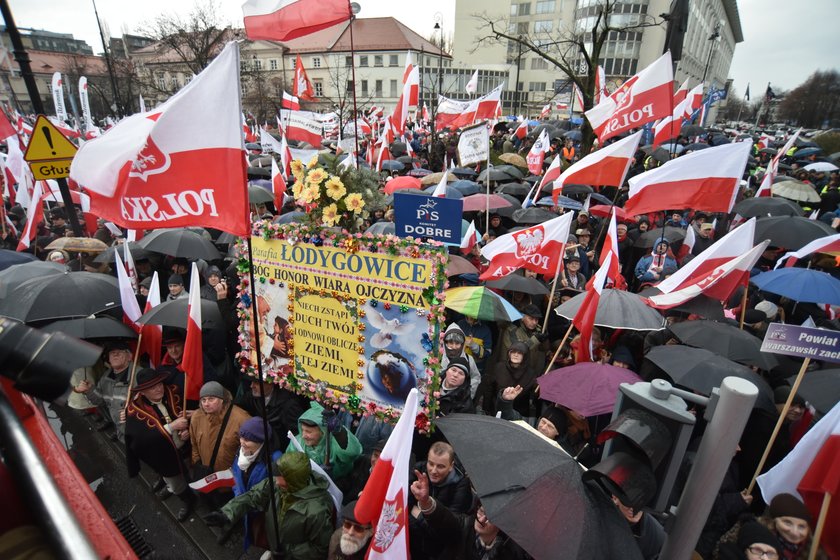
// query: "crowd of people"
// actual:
[[281, 503]]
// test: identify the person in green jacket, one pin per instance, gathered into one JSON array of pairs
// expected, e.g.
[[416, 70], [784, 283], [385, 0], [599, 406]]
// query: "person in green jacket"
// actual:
[[305, 513], [316, 430]]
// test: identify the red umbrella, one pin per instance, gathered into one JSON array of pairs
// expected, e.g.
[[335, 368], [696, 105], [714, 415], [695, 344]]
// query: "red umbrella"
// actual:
[[588, 388], [459, 265], [604, 210], [478, 202], [401, 183]]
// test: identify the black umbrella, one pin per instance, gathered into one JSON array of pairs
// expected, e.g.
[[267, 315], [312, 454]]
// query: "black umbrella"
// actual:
[[617, 309], [702, 370], [821, 388], [137, 252], [61, 296], [760, 206], [259, 172], [467, 187], [19, 273], [253, 146], [696, 146], [180, 243], [661, 155], [790, 232], [406, 160], [507, 211], [513, 171], [692, 130], [11, 258], [532, 215], [652, 237], [91, 328], [702, 305], [724, 340], [392, 165], [464, 172], [533, 492], [495, 175], [515, 189], [719, 140], [572, 190], [259, 195], [770, 151], [518, 283], [173, 313]]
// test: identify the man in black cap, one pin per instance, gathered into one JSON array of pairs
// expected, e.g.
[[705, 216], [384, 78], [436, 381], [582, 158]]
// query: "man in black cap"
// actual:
[[157, 433], [527, 331], [350, 541], [58, 222], [176, 287]]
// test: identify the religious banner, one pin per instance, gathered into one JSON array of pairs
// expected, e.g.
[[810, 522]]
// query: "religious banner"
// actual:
[[349, 320]]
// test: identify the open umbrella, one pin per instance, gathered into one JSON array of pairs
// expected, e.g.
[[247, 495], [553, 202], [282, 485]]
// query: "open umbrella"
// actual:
[[11, 258], [795, 190], [407, 160], [696, 146], [19, 273], [434, 178], [290, 217], [479, 201], [806, 152], [173, 313], [515, 189], [588, 388], [459, 265], [508, 211], [382, 228], [61, 296], [821, 388], [259, 195], [562, 202], [463, 172], [604, 211], [481, 303], [701, 305], [514, 159], [724, 340], [513, 171], [702, 370], [532, 215], [495, 175], [467, 187], [91, 328], [451, 192], [790, 232], [617, 309], [518, 283], [107, 256], [692, 130], [392, 165], [258, 172], [419, 172], [575, 135], [572, 190], [760, 206], [671, 234], [533, 491], [180, 243], [821, 166], [800, 284], [77, 245]]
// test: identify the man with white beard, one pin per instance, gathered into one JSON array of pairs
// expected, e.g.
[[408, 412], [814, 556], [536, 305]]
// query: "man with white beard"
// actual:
[[350, 541]]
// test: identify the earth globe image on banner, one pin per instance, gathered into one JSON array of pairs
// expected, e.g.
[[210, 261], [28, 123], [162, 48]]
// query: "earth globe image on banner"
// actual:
[[391, 376]]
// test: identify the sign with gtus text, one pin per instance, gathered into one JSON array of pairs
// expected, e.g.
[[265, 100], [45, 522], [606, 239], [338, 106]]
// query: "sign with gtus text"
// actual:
[[803, 342], [49, 152], [428, 217]]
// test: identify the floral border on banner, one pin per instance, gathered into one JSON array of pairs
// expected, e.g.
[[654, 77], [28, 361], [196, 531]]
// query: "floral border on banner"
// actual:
[[391, 245]]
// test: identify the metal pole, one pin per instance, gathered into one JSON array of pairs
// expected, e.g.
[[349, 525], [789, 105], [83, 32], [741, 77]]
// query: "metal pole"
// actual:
[[717, 448], [116, 105], [353, 70], [518, 66]]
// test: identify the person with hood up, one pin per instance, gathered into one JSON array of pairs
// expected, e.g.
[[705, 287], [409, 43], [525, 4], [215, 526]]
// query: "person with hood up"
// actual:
[[455, 388], [304, 510], [454, 342], [527, 331], [515, 371], [657, 265], [316, 433], [479, 340]]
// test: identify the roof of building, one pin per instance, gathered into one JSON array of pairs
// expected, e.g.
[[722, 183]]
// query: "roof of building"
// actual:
[[731, 9], [44, 62]]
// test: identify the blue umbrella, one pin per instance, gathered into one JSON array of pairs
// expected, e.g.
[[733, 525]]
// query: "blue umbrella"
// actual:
[[600, 198], [451, 192], [419, 172], [574, 135], [800, 284], [805, 152], [466, 187], [562, 201], [9, 258]]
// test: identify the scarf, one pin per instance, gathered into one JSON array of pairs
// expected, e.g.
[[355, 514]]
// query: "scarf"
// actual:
[[657, 260], [245, 461]]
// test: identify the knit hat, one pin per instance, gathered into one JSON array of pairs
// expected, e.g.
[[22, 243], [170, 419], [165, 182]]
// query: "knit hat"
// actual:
[[146, 282], [754, 532], [460, 363], [781, 394], [212, 389], [252, 430], [622, 354], [788, 505], [753, 316], [556, 417], [176, 279]]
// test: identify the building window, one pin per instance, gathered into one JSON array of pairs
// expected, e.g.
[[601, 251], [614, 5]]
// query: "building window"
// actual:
[[543, 26], [522, 28], [428, 63], [539, 64], [350, 87], [524, 9], [536, 86], [348, 61], [364, 88], [278, 90], [257, 64], [545, 7], [378, 91], [393, 60], [316, 62], [272, 64], [161, 81], [318, 86], [378, 60], [393, 88], [363, 61]]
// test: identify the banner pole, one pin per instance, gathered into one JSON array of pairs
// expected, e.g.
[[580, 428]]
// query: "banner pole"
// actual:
[[353, 70], [557, 352], [132, 376], [815, 542], [487, 180]]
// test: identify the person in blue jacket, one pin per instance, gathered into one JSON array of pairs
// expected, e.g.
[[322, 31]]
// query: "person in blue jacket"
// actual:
[[656, 266]]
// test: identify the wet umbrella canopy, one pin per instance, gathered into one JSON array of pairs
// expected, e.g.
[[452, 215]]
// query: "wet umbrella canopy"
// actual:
[[173, 313], [180, 243], [61, 296], [617, 309], [792, 233]]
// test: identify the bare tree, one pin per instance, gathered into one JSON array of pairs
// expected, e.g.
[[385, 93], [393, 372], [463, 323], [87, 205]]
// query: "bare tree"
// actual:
[[574, 51], [814, 102]]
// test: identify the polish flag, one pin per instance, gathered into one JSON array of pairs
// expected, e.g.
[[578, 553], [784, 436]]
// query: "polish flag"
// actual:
[[536, 155], [131, 309], [764, 141], [214, 481], [6, 128], [411, 81], [546, 111], [456, 114], [193, 362], [247, 133], [665, 129], [826, 244], [606, 166], [440, 189], [681, 93], [425, 113], [687, 244], [34, 216], [692, 101], [643, 98], [600, 85], [773, 167], [301, 127], [719, 283], [472, 85], [579, 98], [609, 251], [152, 334], [584, 320], [282, 20], [174, 167], [384, 500], [551, 174], [301, 87], [384, 155], [538, 248], [410, 88], [470, 239], [810, 471], [278, 185], [706, 180], [290, 102], [521, 131], [130, 268]]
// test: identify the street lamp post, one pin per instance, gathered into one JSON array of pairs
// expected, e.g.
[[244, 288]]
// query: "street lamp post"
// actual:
[[712, 37]]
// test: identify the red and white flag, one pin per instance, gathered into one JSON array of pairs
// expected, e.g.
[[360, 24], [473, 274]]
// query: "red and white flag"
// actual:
[[472, 85], [131, 309], [470, 239], [579, 99], [290, 102], [706, 180], [278, 185], [687, 244], [521, 131], [606, 166], [152, 340], [551, 174], [764, 141], [810, 471], [282, 20], [681, 92], [830, 243], [193, 361], [538, 248], [584, 320], [440, 189], [546, 111], [425, 113], [301, 87], [693, 100], [34, 216], [411, 78], [302, 127], [536, 155], [773, 167], [456, 114], [600, 85], [384, 500], [643, 98], [214, 481], [610, 251], [130, 268], [174, 167]]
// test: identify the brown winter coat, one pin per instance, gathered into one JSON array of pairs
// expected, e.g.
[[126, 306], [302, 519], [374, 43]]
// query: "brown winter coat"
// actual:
[[204, 429]]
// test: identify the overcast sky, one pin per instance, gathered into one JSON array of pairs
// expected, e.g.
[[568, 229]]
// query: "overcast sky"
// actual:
[[784, 41]]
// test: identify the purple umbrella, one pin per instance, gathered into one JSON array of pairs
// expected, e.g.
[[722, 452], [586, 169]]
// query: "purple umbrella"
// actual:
[[588, 388]]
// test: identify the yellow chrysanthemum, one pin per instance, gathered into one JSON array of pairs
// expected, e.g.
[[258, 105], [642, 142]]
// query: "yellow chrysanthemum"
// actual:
[[335, 188], [309, 194], [354, 202], [315, 176], [297, 168], [313, 162], [330, 215], [297, 189]]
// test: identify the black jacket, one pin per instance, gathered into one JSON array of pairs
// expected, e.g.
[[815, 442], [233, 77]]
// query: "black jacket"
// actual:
[[458, 530], [454, 493], [283, 410]]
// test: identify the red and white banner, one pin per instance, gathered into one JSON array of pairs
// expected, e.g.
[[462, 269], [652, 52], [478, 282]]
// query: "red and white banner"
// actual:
[[578, 99], [290, 102], [131, 309], [34, 216], [456, 114], [687, 244], [470, 239], [384, 500], [538, 248], [643, 98], [600, 85], [174, 167], [521, 131], [681, 92], [610, 251], [606, 166], [584, 320], [472, 85], [411, 78], [551, 174], [301, 127], [193, 361], [440, 189], [546, 111], [282, 20], [301, 87], [693, 100], [152, 334], [773, 167], [278, 186], [826, 244], [706, 180], [536, 155], [214, 481]]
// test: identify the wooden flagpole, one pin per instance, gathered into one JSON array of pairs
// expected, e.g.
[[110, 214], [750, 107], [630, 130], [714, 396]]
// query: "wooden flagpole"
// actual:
[[133, 375]]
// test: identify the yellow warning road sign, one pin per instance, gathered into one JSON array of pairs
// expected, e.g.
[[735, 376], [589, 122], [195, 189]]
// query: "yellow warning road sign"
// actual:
[[48, 143]]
